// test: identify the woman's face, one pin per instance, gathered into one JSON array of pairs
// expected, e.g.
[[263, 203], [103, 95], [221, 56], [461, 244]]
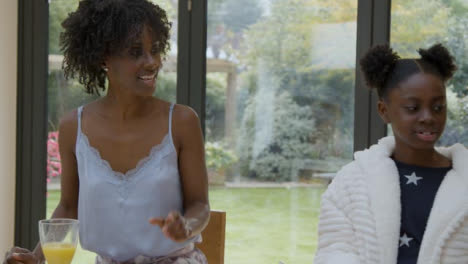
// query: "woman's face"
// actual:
[[417, 111], [135, 69]]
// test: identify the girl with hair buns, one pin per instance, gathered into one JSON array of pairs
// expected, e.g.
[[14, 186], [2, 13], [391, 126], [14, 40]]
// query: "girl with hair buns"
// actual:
[[403, 200], [133, 167]]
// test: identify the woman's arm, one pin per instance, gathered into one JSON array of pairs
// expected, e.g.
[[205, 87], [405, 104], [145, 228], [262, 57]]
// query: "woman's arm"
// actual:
[[188, 140], [68, 204], [192, 169]]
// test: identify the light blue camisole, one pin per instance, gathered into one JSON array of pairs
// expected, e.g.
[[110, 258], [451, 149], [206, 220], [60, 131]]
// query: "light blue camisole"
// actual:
[[114, 208]]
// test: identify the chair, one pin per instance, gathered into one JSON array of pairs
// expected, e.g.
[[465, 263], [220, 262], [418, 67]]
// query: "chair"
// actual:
[[213, 238]]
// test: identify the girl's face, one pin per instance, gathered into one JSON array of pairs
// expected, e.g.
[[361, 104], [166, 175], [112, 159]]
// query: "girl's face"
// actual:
[[135, 69], [417, 111]]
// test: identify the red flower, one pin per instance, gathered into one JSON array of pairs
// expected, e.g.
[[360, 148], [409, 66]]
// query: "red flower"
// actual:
[[54, 168]]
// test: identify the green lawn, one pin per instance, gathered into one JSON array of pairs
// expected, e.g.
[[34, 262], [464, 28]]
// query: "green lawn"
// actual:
[[264, 225]]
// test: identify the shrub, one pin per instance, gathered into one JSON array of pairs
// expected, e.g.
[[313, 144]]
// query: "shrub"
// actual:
[[273, 135], [218, 157]]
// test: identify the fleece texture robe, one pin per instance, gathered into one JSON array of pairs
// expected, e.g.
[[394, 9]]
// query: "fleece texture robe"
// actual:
[[361, 211]]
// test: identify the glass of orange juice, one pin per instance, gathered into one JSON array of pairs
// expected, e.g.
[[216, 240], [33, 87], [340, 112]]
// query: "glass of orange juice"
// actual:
[[59, 237]]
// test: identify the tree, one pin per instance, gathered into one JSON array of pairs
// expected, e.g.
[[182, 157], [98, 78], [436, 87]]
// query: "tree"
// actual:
[[286, 102], [457, 121], [457, 42], [58, 11], [418, 24], [268, 153], [226, 22], [215, 106]]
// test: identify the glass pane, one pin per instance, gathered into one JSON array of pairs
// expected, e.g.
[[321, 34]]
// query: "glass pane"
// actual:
[[166, 86], [66, 95], [435, 21], [279, 119]]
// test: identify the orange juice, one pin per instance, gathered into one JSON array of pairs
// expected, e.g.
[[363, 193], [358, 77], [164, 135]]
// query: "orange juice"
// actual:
[[58, 253]]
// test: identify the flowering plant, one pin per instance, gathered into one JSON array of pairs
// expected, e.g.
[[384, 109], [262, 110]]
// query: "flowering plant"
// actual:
[[54, 169]]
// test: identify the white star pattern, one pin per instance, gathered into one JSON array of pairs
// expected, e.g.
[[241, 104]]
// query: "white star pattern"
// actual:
[[404, 240], [413, 178]]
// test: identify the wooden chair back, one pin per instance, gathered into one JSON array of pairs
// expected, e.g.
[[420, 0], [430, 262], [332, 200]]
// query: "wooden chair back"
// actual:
[[214, 237]]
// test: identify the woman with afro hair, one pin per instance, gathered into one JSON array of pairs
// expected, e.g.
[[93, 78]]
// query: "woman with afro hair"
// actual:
[[133, 166], [403, 200]]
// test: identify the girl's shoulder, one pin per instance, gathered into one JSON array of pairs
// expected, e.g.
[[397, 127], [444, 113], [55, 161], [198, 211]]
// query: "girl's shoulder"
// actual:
[[457, 148], [349, 172], [367, 164], [349, 177], [458, 154]]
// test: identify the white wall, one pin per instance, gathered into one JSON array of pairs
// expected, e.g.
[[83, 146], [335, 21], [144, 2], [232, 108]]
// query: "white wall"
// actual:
[[8, 76]]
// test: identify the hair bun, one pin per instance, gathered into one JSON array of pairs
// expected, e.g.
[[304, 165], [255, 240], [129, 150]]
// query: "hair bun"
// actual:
[[441, 58], [377, 64]]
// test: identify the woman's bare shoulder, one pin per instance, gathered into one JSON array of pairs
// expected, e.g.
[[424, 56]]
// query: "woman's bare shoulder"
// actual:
[[186, 125], [185, 115]]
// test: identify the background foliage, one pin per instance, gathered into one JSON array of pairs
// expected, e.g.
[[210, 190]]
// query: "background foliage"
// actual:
[[288, 107]]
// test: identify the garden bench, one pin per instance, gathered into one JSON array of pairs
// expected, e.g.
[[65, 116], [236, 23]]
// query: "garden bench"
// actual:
[[321, 169]]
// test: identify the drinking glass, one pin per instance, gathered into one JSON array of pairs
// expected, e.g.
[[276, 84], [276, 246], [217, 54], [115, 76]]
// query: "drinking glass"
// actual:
[[59, 237]]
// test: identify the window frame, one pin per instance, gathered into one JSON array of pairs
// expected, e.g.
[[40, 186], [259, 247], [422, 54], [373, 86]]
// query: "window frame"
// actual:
[[191, 61], [31, 120], [373, 28]]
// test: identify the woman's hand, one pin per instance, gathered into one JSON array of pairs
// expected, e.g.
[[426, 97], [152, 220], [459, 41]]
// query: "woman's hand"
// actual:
[[20, 255], [174, 226]]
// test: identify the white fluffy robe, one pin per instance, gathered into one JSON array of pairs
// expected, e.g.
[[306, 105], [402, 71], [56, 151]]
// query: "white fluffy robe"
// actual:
[[361, 210]]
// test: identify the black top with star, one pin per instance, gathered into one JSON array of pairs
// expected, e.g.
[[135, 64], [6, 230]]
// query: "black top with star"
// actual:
[[418, 186]]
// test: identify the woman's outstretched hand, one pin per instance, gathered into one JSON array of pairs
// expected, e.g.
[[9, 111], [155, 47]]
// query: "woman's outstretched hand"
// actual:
[[174, 226], [20, 255]]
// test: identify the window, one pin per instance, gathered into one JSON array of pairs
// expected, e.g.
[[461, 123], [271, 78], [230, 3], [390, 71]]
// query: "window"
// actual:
[[279, 119], [280, 75]]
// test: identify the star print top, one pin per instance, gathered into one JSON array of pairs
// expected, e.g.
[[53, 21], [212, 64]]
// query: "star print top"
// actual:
[[418, 186]]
